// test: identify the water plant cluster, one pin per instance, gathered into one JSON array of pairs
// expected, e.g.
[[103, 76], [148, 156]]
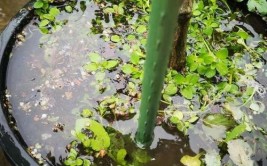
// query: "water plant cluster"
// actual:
[[217, 98], [258, 6]]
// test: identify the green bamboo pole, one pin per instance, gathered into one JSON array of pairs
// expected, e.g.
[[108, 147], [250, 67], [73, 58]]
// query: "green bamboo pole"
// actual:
[[162, 25]]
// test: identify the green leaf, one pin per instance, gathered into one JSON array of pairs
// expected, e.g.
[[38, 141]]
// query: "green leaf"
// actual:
[[78, 161], [121, 156], [179, 79], [188, 92], [214, 25], [208, 31], [141, 29], [46, 5], [49, 17], [193, 119], [222, 85], [219, 120], [196, 12], [94, 57], [222, 68], [210, 73], [73, 153], [170, 89], [167, 98], [115, 38], [38, 4], [101, 138], [234, 89], [120, 9], [208, 59], [54, 11], [174, 119], [178, 114], [249, 91], [202, 69], [236, 132], [192, 79], [127, 69], [135, 58], [86, 162], [222, 53], [110, 64], [130, 37], [181, 126], [83, 6], [43, 23], [192, 62], [44, 30], [69, 161], [242, 34], [68, 8], [191, 161], [91, 67], [109, 10], [140, 156], [86, 113], [258, 5]]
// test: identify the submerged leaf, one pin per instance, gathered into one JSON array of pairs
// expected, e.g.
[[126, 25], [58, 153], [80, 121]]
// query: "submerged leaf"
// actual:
[[219, 120], [140, 156], [212, 158], [236, 111], [121, 156], [216, 132], [116, 150], [240, 152], [91, 67], [258, 5], [94, 57], [257, 107]]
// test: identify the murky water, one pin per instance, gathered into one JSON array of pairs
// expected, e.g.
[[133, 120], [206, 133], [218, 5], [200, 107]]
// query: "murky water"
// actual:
[[8, 8], [52, 88]]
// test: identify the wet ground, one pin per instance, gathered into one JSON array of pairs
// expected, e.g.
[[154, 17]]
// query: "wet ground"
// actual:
[[8, 8]]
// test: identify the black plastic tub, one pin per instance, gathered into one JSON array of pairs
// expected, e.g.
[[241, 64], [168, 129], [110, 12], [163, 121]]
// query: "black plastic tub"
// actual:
[[11, 143]]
